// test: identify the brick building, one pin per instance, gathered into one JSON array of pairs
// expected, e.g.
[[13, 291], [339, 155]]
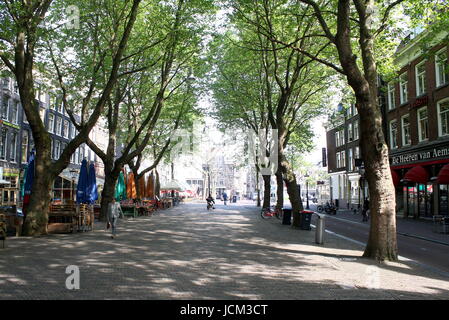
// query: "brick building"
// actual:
[[342, 135], [417, 120]]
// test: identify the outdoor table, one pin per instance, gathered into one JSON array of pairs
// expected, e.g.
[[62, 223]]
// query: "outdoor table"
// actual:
[[129, 210]]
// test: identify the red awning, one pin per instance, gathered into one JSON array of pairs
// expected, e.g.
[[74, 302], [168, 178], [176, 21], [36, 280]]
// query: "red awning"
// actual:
[[417, 174], [395, 177], [443, 176]]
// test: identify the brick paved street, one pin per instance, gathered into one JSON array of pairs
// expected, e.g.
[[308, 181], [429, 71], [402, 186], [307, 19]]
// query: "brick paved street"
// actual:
[[190, 253]]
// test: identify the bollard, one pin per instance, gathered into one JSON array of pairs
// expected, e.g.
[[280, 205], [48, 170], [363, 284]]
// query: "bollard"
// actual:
[[319, 232]]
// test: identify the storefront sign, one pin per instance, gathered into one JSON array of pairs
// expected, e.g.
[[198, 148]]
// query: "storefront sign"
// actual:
[[429, 154]]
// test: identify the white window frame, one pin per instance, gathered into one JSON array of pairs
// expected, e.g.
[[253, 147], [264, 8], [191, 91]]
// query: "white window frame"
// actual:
[[337, 138], [5, 154], [402, 130], [403, 81], [13, 147], [343, 159], [420, 79], [420, 129], [391, 96], [393, 145], [8, 100], [338, 160], [440, 127], [51, 128], [66, 124], [356, 130], [350, 160], [437, 68], [14, 117], [58, 126]]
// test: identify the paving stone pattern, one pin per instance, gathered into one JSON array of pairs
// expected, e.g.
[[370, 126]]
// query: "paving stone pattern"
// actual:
[[188, 252]]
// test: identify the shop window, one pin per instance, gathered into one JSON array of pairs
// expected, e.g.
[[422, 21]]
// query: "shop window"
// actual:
[[423, 124], [403, 86], [443, 117], [420, 74], [441, 68], [406, 139]]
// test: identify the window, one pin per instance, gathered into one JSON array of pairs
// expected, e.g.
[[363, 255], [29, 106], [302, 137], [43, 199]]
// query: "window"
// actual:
[[13, 147], [343, 159], [391, 97], [350, 133], [357, 152], [350, 161], [5, 107], [59, 104], [24, 146], [393, 134], [443, 117], [420, 74], [403, 81], [58, 126], [42, 114], [57, 150], [406, 140], [356, 129], [51, 122], [342, 137], [66, 129], [337, 157], [337, 138], [81, 154], [77, 156], [423, 124], [52, 149], [441, 68], [3, 141]]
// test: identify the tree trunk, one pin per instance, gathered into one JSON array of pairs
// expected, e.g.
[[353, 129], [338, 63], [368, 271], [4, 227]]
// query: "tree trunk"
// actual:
[[157, 184], [267, 191], [36, 215], [382, 243], [107, 194], [292, 190], [279, 189]]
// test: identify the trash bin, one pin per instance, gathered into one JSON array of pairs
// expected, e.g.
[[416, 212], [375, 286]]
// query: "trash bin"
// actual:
[[319, 230], [446, 225], [287, 217], [306, 218], [234, 199]]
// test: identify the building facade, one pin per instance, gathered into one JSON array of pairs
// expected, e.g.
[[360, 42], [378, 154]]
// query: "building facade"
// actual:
[[346, 187], [417, 119], [16, 143]]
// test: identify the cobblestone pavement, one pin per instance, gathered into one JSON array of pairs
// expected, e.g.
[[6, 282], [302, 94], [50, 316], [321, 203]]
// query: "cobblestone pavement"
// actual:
[[190, 253]]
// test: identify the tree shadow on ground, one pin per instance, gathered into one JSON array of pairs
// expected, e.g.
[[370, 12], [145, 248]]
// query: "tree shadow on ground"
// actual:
[[187, 253]]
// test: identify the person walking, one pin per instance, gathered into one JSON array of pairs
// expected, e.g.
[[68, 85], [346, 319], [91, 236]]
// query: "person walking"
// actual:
[[225, 197], [114, 212], [365, 210]]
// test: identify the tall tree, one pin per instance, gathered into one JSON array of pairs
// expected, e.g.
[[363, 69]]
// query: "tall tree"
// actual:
[[25, 31]]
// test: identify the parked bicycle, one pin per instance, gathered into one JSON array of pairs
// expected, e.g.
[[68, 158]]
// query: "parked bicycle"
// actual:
[[270, 212]]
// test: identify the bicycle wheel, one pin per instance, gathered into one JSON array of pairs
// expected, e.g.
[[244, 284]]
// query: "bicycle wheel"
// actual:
[[265, 214]]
